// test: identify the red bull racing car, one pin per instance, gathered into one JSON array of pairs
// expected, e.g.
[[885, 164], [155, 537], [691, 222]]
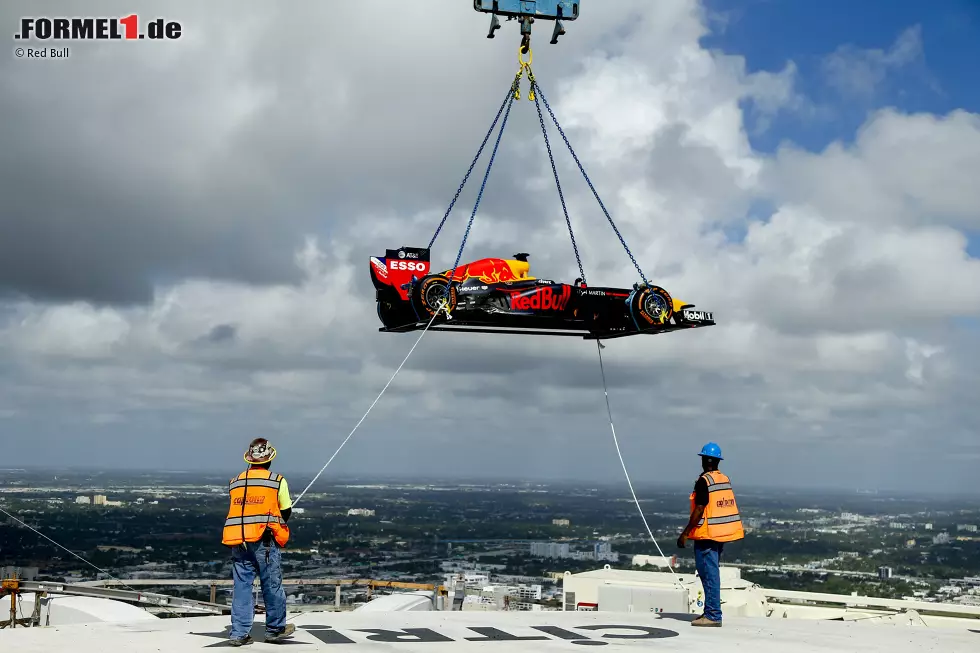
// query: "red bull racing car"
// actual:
[[499, 296]]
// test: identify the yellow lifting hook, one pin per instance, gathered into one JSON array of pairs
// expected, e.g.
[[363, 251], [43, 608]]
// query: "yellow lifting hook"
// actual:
[[530, 75]]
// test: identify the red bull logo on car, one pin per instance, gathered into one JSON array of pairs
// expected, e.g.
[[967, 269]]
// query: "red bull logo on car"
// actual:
[[545, 298], [489, 270]]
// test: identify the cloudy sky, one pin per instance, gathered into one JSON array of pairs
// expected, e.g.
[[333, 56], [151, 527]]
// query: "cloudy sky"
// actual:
[[185, 230]]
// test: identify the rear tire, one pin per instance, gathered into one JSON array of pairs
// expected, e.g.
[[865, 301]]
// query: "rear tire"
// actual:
[[652, 307], [392, 310], [429, 292]]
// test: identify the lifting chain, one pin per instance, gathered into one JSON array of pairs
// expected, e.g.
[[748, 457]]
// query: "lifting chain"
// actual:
[[595, 193], [514, 93], [554, 170], [503, 125]]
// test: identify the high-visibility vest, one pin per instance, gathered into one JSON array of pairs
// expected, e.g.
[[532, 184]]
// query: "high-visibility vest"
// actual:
[[254, 508], [720, 521]]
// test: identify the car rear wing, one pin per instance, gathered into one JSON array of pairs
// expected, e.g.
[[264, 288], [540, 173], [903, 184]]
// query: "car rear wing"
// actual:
[[399, 268]]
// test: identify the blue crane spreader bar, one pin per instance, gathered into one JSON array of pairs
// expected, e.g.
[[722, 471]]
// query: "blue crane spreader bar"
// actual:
[[527, 11]]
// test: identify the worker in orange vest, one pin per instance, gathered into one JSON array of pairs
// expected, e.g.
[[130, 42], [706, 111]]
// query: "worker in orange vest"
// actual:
[[256, 531], [714, 521]]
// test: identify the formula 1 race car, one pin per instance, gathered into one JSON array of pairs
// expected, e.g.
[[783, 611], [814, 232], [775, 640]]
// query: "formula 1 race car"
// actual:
[[494, 295]]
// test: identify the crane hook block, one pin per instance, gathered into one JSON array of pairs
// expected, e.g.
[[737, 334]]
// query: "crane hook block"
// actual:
[[527, 11]]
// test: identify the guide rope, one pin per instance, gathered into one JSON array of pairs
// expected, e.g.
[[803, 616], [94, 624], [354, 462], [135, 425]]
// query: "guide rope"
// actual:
[[363, 417], [612, 427], [90, 564], [512, 93]]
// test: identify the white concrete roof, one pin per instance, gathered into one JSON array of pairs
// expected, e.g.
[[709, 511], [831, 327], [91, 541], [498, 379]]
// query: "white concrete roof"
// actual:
[[399, 601], [81, 609], [556, 631]]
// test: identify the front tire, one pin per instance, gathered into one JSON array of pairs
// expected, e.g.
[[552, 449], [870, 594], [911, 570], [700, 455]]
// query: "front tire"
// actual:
[[652, 307], [428, 293]]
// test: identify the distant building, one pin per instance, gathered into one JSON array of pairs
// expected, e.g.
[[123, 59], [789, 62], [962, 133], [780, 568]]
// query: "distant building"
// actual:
[[654, 561], [20, 573], [99, 499], [970, 528], [529, 592], [365, 512], [884, 573], [84, 500], [470, 580], [929, 526], [140, 501], [113, 547], [549, 549], [560, 522], [603, 552]]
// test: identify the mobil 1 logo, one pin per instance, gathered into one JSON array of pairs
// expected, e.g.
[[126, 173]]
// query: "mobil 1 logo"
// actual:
[[691, 315]]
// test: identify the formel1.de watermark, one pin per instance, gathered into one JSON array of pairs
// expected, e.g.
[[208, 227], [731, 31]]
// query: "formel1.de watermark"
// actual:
[[40, 30], [130, 28]]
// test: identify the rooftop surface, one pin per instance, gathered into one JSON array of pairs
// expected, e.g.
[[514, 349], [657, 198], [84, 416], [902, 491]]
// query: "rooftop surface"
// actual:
[[503, 631]]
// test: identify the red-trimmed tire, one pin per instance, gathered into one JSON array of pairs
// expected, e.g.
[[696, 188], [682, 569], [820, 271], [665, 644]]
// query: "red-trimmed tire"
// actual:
[[429, 292]]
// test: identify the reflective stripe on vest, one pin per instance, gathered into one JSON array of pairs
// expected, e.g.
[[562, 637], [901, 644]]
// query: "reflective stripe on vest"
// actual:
[[254, 508], [256, 519], [721, 521], [255, 482]]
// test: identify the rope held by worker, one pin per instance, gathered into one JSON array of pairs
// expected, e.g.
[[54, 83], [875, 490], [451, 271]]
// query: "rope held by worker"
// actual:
[[363, 417]]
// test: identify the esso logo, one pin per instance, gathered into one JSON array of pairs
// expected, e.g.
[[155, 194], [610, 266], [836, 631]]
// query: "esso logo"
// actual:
[[413, 266]]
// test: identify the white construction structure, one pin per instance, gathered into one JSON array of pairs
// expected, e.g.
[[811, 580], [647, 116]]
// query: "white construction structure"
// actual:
[[617, 609]]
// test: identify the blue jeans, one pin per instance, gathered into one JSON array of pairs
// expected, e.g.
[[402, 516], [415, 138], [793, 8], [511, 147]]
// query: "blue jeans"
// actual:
[[264, 560], [707, 554]]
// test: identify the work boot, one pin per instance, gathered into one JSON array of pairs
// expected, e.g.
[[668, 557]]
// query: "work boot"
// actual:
[[240, 641], [704, 621], [278, 637]]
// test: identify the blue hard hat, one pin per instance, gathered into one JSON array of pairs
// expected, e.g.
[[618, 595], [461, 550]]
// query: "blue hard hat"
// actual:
[[711, 449]]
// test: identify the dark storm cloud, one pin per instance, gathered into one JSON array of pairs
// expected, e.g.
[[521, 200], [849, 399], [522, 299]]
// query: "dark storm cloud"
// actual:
[[129, 164], [221, 333]]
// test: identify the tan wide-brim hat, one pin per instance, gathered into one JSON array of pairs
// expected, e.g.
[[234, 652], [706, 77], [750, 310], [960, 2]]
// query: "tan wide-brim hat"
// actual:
[[260, 452]]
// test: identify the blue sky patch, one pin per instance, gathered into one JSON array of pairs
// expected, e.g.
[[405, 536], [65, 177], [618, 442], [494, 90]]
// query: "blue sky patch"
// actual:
[[853, 58]]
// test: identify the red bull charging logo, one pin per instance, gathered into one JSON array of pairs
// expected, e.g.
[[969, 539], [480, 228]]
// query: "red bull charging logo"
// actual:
[[487, 270]]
